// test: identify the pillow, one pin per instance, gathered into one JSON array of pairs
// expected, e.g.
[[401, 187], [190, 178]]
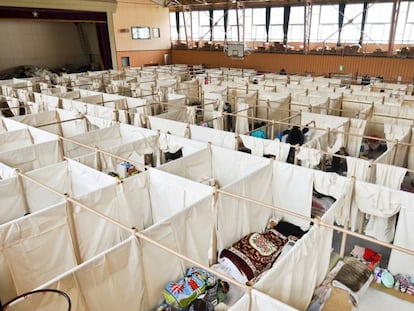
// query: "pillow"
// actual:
[[289, 230]]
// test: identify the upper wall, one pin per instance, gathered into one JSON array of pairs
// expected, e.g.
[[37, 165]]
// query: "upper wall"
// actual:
[[389, 68], [141, 13]]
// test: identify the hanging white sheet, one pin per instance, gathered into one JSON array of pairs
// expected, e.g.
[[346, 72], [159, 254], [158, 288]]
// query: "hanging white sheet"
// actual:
[[399, 262], [168, 126], [293, 278], [229, 166], [27, 258], [6, 171], [218, 121], [68, 177], [310, 158], [32, 157], [378, 201], [237, 217], [276, 102], [256, 145], [197, 166], [242, 122], [358, 168], [12, 200], [410, 156], [292, 190], [216, 137], [112, 280], [15, 139], [101, 112], [357, 127], [383, 228], [182, 192], [188, 233], [336, 186], [258, 302], [12, 125]]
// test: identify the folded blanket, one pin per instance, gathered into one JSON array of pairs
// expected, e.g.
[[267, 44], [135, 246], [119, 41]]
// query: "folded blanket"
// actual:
[[255, 252], [354, 277], [353, 274]]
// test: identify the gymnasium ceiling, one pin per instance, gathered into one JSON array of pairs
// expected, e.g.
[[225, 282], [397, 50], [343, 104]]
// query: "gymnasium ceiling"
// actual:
[[221, 4]]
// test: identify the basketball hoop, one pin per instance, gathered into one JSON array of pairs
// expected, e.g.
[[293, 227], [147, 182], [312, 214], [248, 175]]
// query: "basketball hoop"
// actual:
[[235, 50], [38, 291]]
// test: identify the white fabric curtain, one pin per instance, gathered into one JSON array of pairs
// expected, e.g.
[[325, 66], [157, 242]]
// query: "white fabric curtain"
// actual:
[[71, 128], [336, 186], [258, 302], [170, 194], [383, 228], [292, 189], [357, 127], [211, 102], [256, 145], [74, 105], [33, 157], [216, 137], [317, 140], [6, 172], [116, 275], [410, 157], [270, 105], [197, 166], [26, 257], [128, 202], [65, 177], [188, 233], [218, 121], [12, 200], [191, 114], [358, 168], [101, 112], [259, 147], [377, 201], [168, 126], [242, 122], [310, 158], [399, 262], [15, 139], [236, 217], [12, 125], [294, 277], [228, 166], [176, 101]]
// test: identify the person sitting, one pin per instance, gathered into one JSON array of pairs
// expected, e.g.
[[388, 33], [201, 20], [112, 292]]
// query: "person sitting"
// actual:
[[295, 136], [282, 72], [227, 109], [366, 80]]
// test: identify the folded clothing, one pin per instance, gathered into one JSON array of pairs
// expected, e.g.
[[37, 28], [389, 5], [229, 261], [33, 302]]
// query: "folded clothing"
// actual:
[[289, 230], [182, 292], [353, 274]]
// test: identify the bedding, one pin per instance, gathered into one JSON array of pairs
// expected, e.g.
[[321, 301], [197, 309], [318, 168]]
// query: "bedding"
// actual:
[[344, 286], [320, 204], [256, 252]]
